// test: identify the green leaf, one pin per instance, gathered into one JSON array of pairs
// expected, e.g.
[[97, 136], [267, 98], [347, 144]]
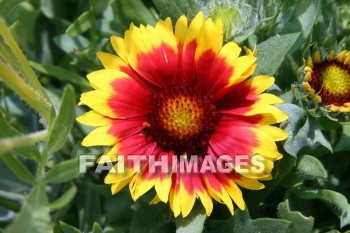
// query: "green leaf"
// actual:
[[297, 128], [241, 222], [310, 167], [271, 225], [194, 222], [65, 199], [316, 135], [80, 25], [97, 228], [175, 8], [306, 14], [63, 172], [134, 11], [303, 130], [68, 228], [58, 131], [34, 216], [344, 140], [18, 168], [282, 168], [272, 52], [61, 74], [21, 65], [7, 130], [337, 202], [299, 223]]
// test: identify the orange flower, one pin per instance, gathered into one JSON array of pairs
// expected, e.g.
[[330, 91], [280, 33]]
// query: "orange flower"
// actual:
[[176, 94]]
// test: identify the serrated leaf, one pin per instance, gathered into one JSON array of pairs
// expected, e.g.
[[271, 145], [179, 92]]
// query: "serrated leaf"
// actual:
[[272, 52], [194, 222], [18, 168], [63, 172], [65, 199], [297, 128], [344, 140], [58, 130], [316, 135], [299, 223], [241, 222], [7, 130], [80, 25], [61, 74], [34, 216], [68, 228], [337, 202], [310, 167]]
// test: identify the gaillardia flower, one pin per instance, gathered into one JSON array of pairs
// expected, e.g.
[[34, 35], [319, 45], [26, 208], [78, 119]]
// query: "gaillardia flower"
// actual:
[[182, 97], [327, 80]]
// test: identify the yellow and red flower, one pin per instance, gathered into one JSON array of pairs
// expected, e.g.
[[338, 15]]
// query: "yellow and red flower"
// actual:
[[178, 93], [327, 80]]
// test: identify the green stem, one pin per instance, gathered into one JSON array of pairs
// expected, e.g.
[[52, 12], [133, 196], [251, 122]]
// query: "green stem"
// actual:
[[18, 85], [22, 62], [9, 144]]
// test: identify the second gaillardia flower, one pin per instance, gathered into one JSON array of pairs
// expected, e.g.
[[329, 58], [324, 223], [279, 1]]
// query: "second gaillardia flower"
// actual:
[[174, 97], [326, 79]]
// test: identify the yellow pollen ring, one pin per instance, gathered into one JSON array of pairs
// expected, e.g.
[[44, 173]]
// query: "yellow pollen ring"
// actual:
[[336, 80], [182, 116]]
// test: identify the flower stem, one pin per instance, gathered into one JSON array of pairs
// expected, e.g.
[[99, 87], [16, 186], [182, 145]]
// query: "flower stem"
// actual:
[[9, 144]]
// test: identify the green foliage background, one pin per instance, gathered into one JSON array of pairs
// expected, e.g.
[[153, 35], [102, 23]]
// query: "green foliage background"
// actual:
[[41, 189]]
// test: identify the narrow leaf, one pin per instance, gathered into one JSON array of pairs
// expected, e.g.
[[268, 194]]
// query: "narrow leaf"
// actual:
[[64, 200], [25, 91], [63, 172], [80, 25], [61, 74], [59, 130], [22, 63], [18, 168]]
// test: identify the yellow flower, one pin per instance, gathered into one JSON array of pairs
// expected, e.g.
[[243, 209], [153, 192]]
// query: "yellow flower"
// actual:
[[181, 96]]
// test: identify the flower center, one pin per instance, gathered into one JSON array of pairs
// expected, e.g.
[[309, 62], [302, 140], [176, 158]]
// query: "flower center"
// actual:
[[181, 120], [331, 79]]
